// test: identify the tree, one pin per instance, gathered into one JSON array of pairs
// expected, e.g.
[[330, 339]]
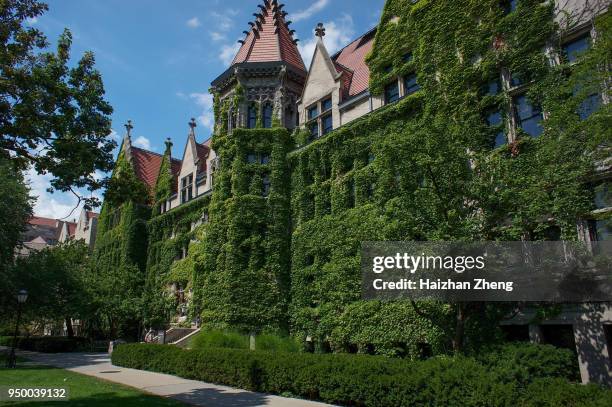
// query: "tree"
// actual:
[[15, 210], [52, 116]]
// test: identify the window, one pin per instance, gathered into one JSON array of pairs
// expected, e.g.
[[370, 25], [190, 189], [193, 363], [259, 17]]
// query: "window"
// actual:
[[601, 230], [589, 106], [410, 84], [265, 159], [407, 57], [516, 80], [371, 158], [313, 112], [391, 92], [528, 116], [187, 188], [267, 116], [495, 119], [603, 196], [251, 158], [326, 105], [509, 5], [252, 117], [492, 88], [314, 130], [388, 68], [573, 49], [327, 124], [266, 185]]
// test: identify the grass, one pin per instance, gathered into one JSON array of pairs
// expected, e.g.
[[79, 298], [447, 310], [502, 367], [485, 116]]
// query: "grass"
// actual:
[[82, 390]]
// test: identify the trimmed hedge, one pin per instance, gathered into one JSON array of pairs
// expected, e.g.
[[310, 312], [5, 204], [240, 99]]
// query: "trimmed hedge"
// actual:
[[47, 344], [359, 380]]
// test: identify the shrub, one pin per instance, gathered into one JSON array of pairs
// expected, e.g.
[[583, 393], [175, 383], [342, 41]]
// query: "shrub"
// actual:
[[524, 362], [47, 344], [359, 380], [275, 343], [220, 339]]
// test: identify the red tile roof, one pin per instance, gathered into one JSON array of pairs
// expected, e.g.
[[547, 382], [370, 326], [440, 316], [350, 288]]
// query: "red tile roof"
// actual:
[[91, 214], [146, 165], [269, 40], [352, 58], [71, 228], [40, 221]]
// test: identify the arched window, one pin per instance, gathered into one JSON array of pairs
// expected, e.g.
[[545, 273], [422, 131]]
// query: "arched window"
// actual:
[[267, 116], [252, 117]]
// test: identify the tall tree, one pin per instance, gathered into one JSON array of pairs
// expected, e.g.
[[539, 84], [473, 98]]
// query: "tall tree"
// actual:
[[52, 116]]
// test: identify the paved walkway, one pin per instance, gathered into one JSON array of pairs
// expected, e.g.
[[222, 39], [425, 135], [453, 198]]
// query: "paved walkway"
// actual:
[[190, 391]]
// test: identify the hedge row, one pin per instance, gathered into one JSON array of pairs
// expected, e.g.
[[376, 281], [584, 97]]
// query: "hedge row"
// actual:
[[359, 380], [47, 344]]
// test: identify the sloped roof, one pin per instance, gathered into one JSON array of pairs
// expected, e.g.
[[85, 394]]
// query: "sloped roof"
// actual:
[[352, 58], [147, 165], [269, 39], [40, 221]]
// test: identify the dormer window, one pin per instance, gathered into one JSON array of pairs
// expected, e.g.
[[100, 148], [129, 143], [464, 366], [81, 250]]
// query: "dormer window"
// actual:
[[187, 188], [313, 112], [327, 124], [326, 105], [320, 118]]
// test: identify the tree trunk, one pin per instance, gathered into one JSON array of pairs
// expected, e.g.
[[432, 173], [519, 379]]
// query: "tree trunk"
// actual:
[[459, 328], [69, 330]]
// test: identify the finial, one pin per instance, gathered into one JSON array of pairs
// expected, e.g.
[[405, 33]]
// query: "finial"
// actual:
[[168, 143], [192, 126], [129, 127], [320, 31]]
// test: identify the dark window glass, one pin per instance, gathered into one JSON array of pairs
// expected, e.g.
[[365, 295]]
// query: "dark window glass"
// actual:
[[265, 159], [252, 158], [407, 57], [326, 105], [388, 68], [509, 5], [266, 185], [252, 117], [371, 158], [603, 196], [492, 88], [573, 49], [187, 188], [589, 106], [267, 116], [529, 117], [410, 84], [313, 112], [391, 92], [327, 124], [314, 130], [495, 119], [601, 230], [516, 80]]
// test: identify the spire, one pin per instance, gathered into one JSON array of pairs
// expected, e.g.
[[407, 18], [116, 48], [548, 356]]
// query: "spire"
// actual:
[[168, 144], [269, 38], [127, 140]]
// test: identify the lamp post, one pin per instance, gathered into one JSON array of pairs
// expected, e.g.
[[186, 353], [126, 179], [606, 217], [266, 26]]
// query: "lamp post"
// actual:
[[22, 296]]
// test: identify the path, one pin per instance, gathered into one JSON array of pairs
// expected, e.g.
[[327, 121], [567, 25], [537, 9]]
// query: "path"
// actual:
[[190, 391]]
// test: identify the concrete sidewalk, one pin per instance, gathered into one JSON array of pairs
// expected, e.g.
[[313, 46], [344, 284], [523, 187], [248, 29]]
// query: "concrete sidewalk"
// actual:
[[189, 391]]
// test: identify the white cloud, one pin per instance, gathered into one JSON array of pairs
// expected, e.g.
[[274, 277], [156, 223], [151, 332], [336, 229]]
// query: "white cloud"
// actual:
[[56, 206], [223, 21], [306, 13], [217, 36], [143, 142], [31, 21], [228, 52], [193, 22], [205, 102], [337, 35]]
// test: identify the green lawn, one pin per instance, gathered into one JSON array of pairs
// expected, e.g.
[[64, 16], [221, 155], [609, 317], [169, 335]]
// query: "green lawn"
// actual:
[[83, 390]]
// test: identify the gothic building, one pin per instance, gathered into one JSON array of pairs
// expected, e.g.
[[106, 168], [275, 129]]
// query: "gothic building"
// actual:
[[259, 227]]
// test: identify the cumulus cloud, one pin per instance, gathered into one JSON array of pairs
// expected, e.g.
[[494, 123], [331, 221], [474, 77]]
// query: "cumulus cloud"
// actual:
[[142, 142], [193, 22], [205, 102], [338, 34], [217, 36], [311, 10], [228, 52]]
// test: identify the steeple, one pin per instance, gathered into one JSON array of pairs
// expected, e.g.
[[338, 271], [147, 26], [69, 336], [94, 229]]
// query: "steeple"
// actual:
[[192, 126], [269, 38], [127, 141]]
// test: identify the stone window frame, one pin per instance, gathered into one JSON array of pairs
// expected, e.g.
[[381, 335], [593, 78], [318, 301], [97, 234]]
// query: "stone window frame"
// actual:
[[187, 188], [316, 122]]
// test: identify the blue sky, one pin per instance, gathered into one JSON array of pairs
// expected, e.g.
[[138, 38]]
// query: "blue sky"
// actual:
[[158, 58]]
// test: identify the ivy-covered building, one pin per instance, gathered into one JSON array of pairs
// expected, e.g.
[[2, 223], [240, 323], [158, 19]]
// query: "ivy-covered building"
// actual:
[[463, 120]]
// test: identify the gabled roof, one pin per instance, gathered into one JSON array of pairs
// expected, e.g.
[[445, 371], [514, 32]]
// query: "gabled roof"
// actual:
[[40, 221], [351, 59], [147, 165], [270, 39]]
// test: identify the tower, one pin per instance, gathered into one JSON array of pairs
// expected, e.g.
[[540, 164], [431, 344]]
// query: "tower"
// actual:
[[267, 75]]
